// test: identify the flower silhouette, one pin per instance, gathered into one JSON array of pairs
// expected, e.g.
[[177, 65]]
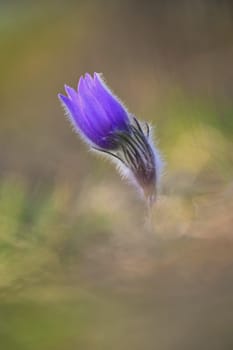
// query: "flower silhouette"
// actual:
[[105, 124]]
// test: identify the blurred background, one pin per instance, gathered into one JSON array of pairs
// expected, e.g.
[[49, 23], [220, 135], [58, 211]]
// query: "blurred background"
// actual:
[[78, 267]]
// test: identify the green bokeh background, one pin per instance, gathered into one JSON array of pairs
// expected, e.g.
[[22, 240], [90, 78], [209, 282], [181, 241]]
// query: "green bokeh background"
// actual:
[[79, 268]]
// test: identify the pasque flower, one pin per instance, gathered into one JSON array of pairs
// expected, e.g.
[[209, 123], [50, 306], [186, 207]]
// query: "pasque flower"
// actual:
[[105, 124]]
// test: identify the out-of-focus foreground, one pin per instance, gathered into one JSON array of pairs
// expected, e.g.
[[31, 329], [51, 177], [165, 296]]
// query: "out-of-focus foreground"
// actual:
[[79, 268]]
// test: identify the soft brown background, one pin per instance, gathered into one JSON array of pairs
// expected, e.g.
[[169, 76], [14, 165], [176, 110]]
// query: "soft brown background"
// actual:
[[79, 267]]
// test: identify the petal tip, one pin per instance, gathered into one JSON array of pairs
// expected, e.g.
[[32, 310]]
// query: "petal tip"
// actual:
[[98, 76], [63, 99], [60, 96], [80, 83], [71, 93], [88, 76]]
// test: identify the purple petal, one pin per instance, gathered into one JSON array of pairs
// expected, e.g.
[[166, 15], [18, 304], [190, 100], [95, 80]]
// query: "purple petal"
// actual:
[[95, 87], [74, 114], [72, 94], [112, 106], [94, 110]]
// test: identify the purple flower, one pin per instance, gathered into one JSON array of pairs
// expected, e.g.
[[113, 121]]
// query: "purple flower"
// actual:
[[106, 125]]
